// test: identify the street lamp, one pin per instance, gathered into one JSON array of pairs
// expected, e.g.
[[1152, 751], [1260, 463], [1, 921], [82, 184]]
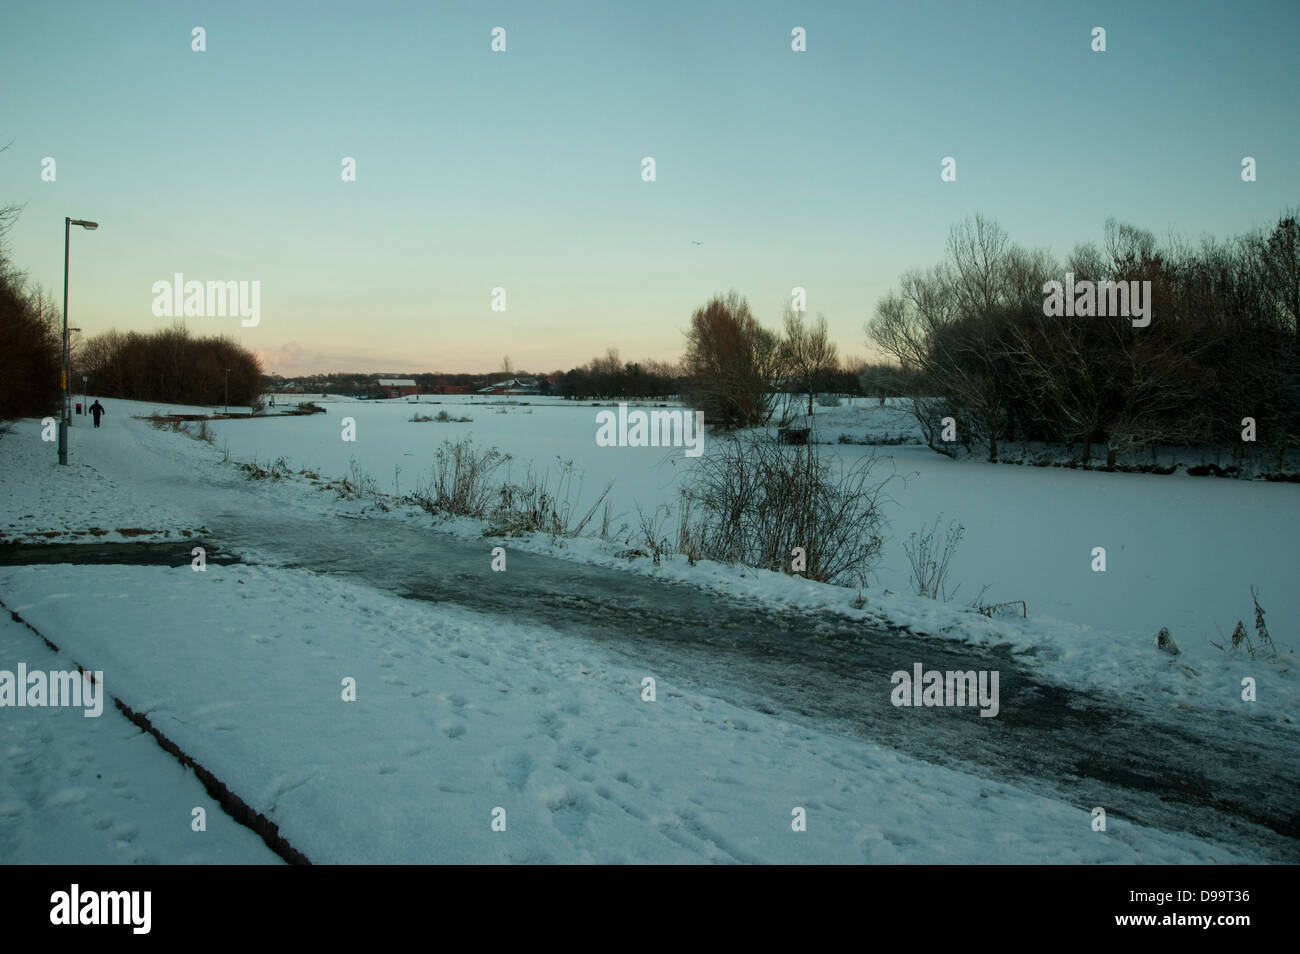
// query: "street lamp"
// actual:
[[65, 419], [85, 392], [227, 392], [71, 332]]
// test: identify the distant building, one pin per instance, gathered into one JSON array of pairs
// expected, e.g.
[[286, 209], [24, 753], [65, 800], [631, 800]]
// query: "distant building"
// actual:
[[398, 387], [513, 386], [448, 389]]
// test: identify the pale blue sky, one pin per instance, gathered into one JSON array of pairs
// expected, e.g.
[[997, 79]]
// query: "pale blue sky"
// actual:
[[523, 169]]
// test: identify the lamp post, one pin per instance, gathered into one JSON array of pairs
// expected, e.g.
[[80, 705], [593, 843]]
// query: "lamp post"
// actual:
[[85, 393], [227, 390], [65, 417], [71, 332]]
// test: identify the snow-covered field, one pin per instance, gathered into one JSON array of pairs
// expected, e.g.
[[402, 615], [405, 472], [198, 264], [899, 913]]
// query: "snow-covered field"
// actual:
[[1181, 552], [458, 713]]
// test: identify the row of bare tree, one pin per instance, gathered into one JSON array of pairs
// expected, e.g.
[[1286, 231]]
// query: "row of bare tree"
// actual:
[[30, 345], [608, 376], [1221, 345], [171, 365]]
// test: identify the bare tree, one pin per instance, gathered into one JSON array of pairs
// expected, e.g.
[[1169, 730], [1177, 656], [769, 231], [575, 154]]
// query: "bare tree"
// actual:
[[809, 352], [733, 363], [1224, 344], [961, 353], [1129, 247], [1064, 384], [1278, 259], [979, 249]]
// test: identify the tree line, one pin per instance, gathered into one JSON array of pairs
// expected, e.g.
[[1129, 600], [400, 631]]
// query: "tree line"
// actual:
[[609, 377], [31, 354], [972, 334], [171, 365], [168, 365], [31, 346]]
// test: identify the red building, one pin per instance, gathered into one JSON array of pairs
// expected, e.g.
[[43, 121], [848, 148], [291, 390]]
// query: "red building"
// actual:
[[398, 387]]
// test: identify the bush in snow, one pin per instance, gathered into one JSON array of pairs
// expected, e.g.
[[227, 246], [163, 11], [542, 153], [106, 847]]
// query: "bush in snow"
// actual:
[[535, 506], [929, 555], [1242, 638], [462, 481], [465, 483], [755, 500]]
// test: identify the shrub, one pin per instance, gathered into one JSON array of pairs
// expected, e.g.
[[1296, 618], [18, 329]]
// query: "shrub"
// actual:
[[929, 556], [172, 365], [461, 482], [1241, 638], [755, 500], [533, 506], [274, 471], [442, 417]]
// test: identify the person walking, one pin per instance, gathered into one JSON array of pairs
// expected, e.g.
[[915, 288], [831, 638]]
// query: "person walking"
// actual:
[[97, 410]]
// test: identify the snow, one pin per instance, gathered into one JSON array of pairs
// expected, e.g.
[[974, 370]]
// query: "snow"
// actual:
[[458, 713], [1182, 552], [99, 791], [1029, 531], [1084, 628]]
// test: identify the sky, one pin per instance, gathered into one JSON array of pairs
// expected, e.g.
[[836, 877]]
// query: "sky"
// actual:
[[523, 169]]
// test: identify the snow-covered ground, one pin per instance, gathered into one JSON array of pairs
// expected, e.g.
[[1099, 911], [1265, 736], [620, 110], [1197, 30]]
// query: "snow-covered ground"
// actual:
[[458, 713], [1182, 552], [77, 790]]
